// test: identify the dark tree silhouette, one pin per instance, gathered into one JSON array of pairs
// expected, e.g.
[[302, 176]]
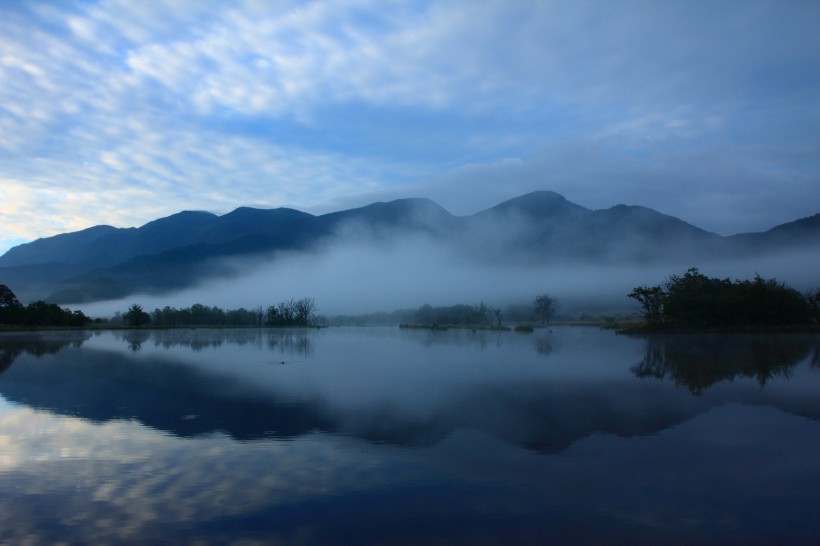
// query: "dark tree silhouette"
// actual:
[[651, 300], [693, 300], [813, 299], [499, 316], [10, 308], [545, 307], [136, 316]]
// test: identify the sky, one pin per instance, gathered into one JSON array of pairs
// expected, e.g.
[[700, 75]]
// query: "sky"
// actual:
[[121, 112]]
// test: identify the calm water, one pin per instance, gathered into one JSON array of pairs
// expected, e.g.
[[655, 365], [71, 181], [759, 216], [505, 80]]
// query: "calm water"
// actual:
[[382, 436]]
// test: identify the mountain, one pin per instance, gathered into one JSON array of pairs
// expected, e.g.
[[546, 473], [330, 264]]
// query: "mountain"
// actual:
[[802, 232], [105, 246], [545, 226], [169, 253]]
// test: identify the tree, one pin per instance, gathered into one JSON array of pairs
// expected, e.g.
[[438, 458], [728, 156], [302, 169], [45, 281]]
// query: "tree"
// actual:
[[11, 310], [303, 311], [136, 316], [259, 315], [499, 316], [693, 300], [291, 313], [545, 307], [286, 311], [272, 317], [813, 299], [479, 314], [652, 302]]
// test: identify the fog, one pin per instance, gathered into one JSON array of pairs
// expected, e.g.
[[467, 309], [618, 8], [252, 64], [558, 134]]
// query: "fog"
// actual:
[[358, 271]]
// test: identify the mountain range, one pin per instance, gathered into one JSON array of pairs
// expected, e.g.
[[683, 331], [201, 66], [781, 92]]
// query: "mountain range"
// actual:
[[104, 262]]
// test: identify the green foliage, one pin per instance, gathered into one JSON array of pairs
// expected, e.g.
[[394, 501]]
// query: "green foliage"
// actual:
[[289, 313], [11, 309], [693, 300], [481, 315], [460, 314], [813, 299], [38, 313], [652, 302], [136, 316]]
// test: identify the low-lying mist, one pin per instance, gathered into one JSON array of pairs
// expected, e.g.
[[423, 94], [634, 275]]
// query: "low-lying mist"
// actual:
[[357, 272]]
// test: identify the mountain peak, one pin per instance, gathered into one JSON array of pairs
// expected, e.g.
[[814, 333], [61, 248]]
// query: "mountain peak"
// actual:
[[537, 204], [536, 227], [399, 212]]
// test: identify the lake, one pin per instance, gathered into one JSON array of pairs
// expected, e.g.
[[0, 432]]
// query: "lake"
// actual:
[[390, 436]]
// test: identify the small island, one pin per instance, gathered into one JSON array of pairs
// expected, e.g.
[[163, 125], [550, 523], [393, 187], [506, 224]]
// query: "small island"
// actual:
[[693, 302]]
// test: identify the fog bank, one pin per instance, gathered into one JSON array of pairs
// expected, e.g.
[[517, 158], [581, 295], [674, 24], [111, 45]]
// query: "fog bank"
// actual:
[[356, 273]]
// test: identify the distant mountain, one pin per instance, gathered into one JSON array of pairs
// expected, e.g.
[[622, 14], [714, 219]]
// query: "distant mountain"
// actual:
[[803, 232], [544, 226], [104, 246], [104, 262]]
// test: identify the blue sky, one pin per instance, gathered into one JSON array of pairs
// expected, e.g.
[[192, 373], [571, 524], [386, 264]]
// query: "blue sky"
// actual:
[[119, 112]]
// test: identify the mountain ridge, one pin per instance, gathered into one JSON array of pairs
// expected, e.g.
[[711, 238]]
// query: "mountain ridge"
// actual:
[[538, 227]]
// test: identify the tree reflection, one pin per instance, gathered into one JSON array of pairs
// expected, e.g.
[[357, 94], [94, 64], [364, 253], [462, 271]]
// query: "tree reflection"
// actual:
[[544, 344], [285, 341], [135, 339], [295, 342], [699, 361], [12, 346]]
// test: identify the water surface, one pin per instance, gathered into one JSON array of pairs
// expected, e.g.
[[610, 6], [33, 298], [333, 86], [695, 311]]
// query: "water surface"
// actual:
[[381, 435]]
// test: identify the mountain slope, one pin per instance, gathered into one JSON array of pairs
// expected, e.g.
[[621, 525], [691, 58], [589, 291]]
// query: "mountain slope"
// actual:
[[540, 227], [76, 247], [544, 226], [805, 231]]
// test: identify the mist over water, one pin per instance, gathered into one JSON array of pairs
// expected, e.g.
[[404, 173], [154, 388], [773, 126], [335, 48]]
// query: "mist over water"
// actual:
[[359, 271]]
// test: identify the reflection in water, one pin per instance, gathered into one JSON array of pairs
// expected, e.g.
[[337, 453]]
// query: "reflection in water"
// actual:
[[135, 339], [13, 345], [162, 394], [380, 436], [698, 361], [384, 386], [544, 344], [76, 482], [370, 386], [284, 340]]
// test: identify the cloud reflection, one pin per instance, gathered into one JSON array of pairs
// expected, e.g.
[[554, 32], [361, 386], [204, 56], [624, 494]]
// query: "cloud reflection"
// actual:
[[71, 480], [123, 481]]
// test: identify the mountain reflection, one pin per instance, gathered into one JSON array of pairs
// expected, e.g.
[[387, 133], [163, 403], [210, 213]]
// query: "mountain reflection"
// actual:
[[698, 361], [387, 386], [161, 393]]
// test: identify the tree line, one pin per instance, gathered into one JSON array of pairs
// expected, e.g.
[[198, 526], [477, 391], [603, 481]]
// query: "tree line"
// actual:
[[292, 312], [38, 313], [695, 301], [543, 310]]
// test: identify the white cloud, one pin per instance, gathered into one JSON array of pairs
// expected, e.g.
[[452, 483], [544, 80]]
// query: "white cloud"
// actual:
[[202, 103], [131, 477]]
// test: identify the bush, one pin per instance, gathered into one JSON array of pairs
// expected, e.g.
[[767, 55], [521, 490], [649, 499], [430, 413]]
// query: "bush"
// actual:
[[694, 300]]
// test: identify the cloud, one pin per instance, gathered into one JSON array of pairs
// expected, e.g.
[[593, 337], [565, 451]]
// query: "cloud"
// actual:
[[309, 104], [360, 270], [130, 479]]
